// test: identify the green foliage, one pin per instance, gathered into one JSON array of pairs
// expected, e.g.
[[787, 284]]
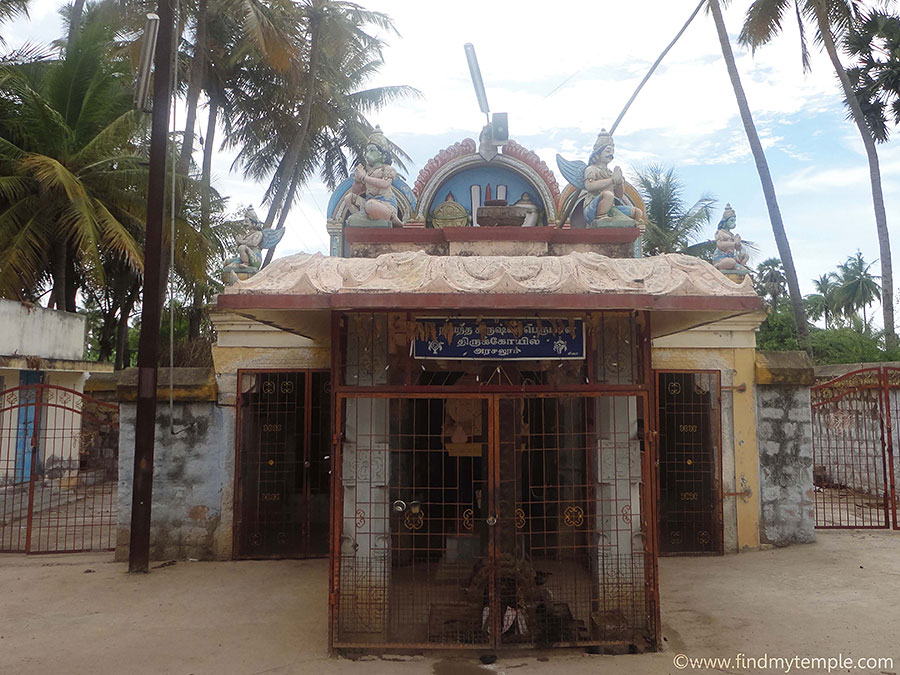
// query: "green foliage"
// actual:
[[850, 345], [770, 281], [847, 337], [858, 287], [779, 331], [673, 226], [71, 170], [853, 342], [873, 42]]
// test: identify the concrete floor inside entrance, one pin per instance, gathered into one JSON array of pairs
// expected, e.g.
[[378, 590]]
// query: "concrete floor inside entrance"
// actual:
[[82, 613]]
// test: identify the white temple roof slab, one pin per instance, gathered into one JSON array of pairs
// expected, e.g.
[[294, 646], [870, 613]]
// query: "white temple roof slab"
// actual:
[[297, 293]]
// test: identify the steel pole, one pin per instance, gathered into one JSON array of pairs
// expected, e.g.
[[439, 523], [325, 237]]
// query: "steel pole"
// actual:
[[148, 347]]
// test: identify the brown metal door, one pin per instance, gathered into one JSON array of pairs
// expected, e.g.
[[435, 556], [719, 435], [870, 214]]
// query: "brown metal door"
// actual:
[[690, 503], [491, 521], [283, 463], [574, 561], [413, 557]]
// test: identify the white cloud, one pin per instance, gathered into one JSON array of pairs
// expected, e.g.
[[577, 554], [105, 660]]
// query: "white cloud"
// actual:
[[686, 116]]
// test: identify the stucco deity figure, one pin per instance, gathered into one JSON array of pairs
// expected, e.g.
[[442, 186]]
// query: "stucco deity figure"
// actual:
[[371, 200], [532, 211], [602, 187], [249, 248], [729, 255]]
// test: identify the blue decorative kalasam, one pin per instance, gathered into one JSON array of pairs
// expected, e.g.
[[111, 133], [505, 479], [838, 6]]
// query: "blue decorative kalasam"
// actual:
[[510, 339]]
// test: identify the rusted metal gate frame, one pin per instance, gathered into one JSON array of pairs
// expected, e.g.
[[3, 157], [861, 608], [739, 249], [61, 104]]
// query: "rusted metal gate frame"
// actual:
[[718, 477], [42, 401], [307, 431], [493, 394], [883, 381]]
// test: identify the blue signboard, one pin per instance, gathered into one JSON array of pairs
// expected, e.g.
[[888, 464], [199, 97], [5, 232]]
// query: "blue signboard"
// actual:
[[508, 339]]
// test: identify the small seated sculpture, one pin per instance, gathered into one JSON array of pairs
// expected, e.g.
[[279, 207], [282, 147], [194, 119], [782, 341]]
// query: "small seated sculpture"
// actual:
[[729, 255], [249, 249], [370, 200], [532, 211], [602, 187]]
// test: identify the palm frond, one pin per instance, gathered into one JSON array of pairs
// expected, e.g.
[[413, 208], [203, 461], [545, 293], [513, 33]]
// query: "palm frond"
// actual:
[[762, 22]]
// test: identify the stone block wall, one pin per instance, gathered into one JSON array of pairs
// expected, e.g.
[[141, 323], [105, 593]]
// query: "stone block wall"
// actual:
[[784, 435], [193, 476]]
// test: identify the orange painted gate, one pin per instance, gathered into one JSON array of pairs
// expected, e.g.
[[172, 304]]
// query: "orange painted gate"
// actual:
[[854, 439], [58, 470]]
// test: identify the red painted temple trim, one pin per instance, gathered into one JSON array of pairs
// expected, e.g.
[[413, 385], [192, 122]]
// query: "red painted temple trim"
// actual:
[[418, 235], [504, 301]]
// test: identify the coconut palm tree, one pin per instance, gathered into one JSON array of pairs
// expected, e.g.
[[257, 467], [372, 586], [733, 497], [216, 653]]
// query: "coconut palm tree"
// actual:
[[672, 226], [874, 45], [858, 288], [826, 288], [816, 307], [10, 9], [832, 18], [71, 175], [765, 177], [317, 111], [770, 280], [266, 29]]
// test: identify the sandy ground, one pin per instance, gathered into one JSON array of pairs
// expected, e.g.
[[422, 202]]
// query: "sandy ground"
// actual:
[[838, 596]]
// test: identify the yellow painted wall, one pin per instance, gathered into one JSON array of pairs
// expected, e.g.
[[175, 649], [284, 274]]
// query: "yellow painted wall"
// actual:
[[736, 365]]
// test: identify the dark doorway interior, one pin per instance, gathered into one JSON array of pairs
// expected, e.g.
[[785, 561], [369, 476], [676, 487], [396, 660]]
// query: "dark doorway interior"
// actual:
[[283, 465], [495, 520], [690, 502]]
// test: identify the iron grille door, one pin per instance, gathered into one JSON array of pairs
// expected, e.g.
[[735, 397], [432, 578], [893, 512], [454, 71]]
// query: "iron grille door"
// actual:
[[690, 504], [492, 520], [416, 534], [283, 469]]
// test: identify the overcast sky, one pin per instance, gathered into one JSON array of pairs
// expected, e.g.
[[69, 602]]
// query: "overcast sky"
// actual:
[[685, 117]]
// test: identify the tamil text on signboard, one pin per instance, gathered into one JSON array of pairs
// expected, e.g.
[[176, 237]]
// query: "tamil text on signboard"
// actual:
[[524, 339]]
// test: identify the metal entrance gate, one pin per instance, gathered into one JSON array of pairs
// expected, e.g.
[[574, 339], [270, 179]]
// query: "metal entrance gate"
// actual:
[[283, 465], [854, 437], [58, 470], [690, 463], [474, 520]]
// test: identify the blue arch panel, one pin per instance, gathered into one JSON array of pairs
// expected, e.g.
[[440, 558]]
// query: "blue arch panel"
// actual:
[[460, 183]]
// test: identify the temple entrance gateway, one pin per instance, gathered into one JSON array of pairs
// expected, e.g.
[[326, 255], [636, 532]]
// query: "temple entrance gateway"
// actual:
[[494, 520], [494, 475], [282, 491]]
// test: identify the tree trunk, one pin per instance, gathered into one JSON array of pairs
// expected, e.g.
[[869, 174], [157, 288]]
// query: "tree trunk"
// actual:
[[289, 198], [71, 286], [123, 358], [195, 314], [206, 173], [884, 242], [59, 276], [765, 178], [107, 333], [293, 153], [75, 21], [195, 85]]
